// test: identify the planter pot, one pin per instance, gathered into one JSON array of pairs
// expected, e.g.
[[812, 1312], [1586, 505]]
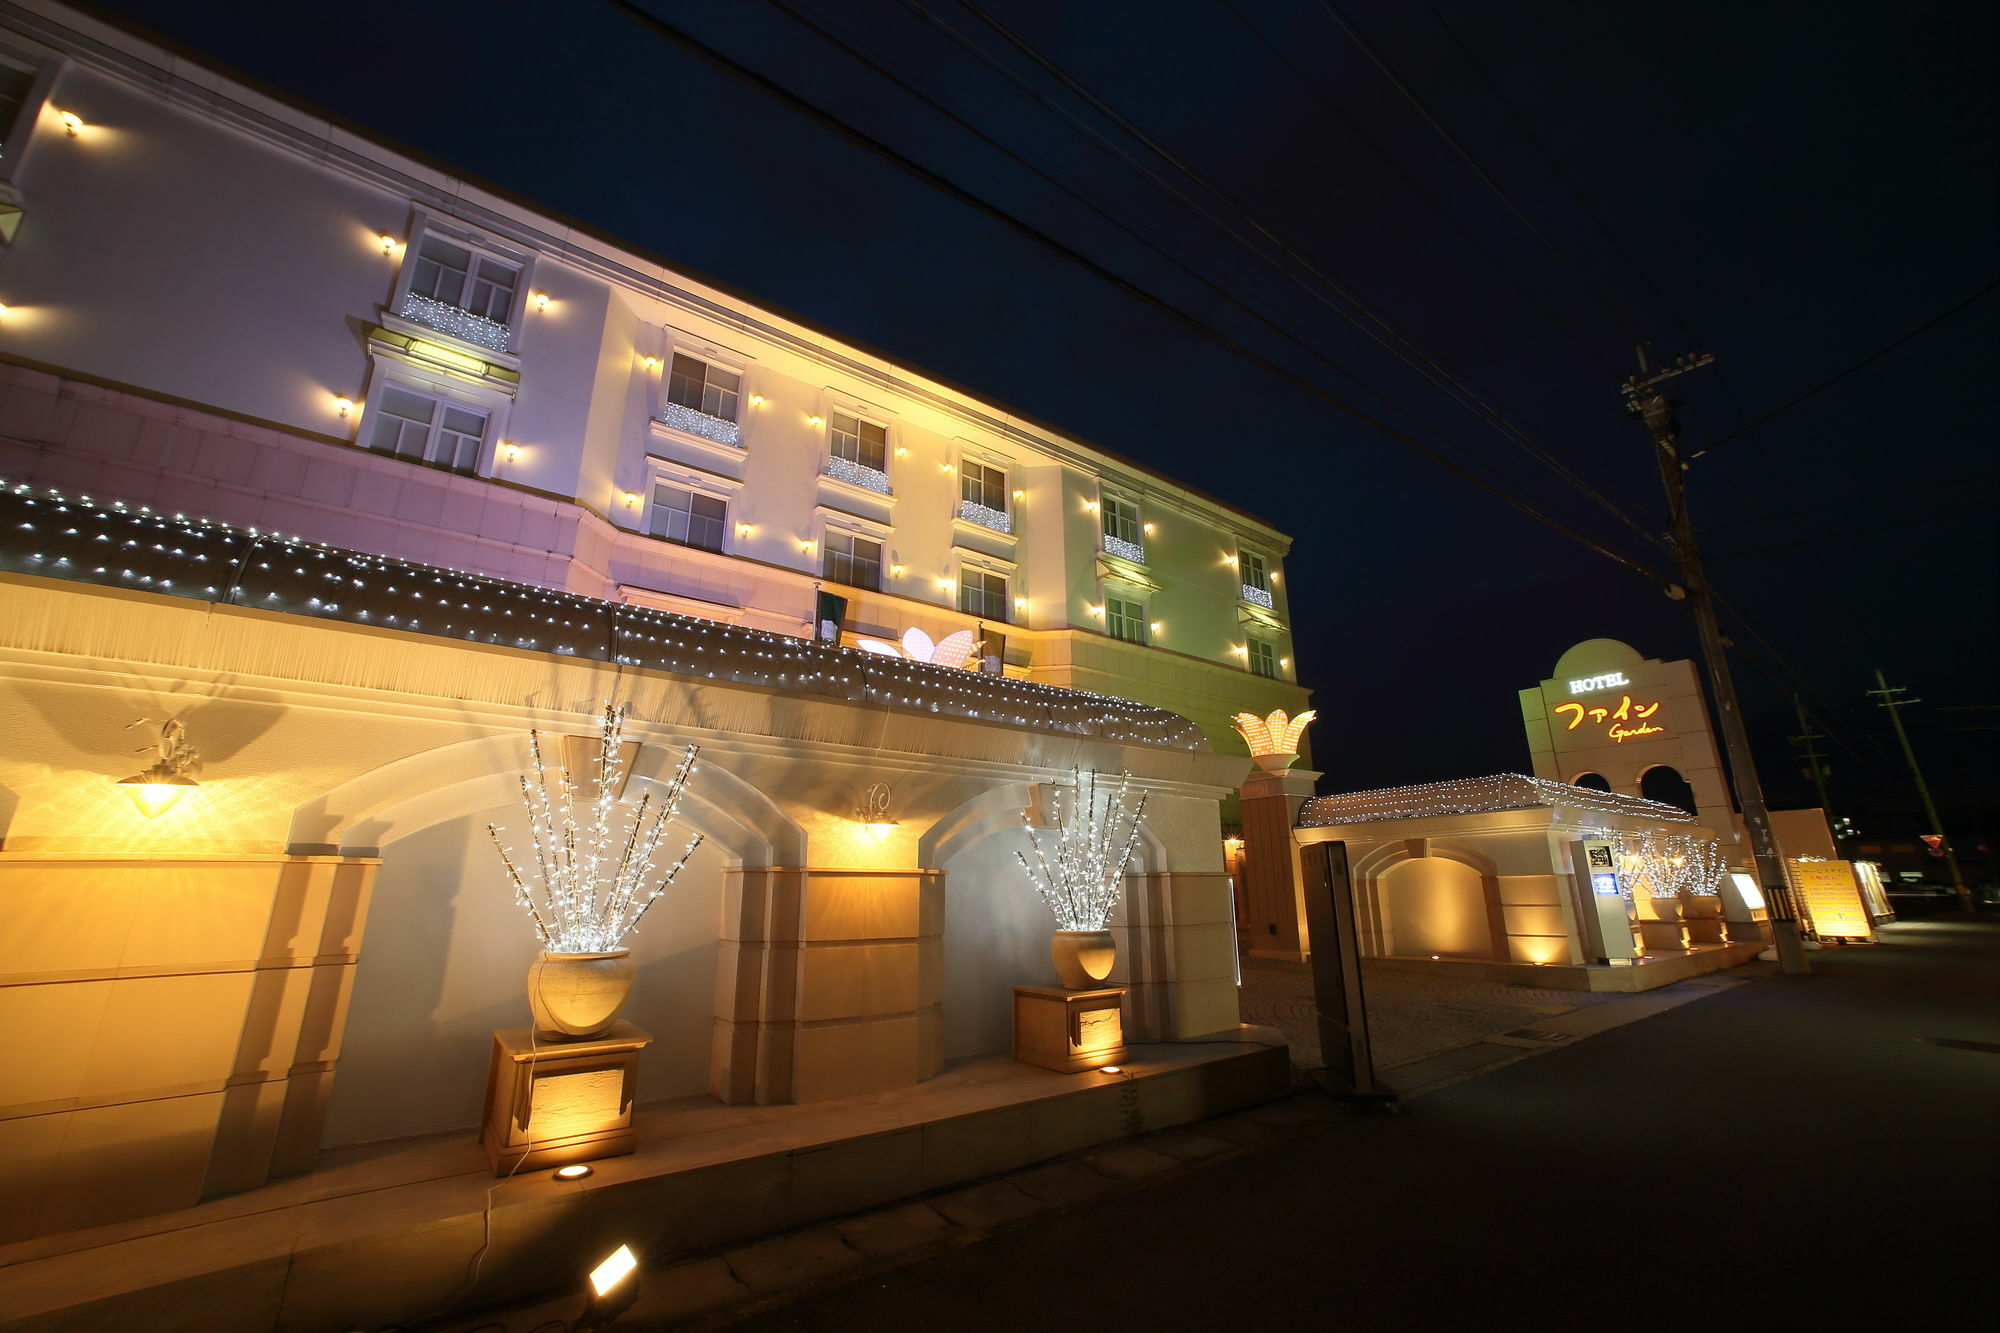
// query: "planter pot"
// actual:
[[1275, 763], [1083, 958], [578, 995]]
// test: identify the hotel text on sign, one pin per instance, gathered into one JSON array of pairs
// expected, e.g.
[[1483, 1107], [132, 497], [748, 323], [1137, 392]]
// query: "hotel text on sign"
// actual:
[[1628, 721]]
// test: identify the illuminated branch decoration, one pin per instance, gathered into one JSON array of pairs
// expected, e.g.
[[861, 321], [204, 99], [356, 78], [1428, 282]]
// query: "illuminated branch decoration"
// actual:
[[1666, 865], [1081, 874], [1273, 738], [587, 887]]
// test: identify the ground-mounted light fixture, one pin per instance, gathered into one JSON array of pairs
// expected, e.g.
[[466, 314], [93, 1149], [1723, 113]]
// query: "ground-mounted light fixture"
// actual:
[[613, 1289], [156, 790], [1111, 1069], [873, 812], [574, 1171]]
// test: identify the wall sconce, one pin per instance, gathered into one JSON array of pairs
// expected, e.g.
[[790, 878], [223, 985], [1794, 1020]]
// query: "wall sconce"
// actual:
[[757, 400], [1284, 661], [949, 467], [1229, 560], [1275, 576], [873, 812], [158, 788], [1156, 627], [652, 363], [743, 529], [1096, 610], [944, 585], [1020, 495], [1240, 649], [806, 546], [343, 404], [510, 451], [388, 244], [902, 451], [815, 421], [1090, 505], [1148, 527], [539, 300], [896, 570], [1020, 603], [71, 122], [613, 1289], [631, 498]]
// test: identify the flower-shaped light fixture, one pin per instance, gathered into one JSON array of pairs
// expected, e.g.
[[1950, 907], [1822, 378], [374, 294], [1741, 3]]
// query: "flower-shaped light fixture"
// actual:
[[1274, 740]]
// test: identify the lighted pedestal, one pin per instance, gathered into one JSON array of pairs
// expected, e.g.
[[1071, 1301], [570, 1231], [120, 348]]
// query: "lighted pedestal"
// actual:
[[551, 1103], [1069, 1030]]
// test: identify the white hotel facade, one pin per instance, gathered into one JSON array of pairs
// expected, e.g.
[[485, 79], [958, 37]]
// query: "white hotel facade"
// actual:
[[225, 305]]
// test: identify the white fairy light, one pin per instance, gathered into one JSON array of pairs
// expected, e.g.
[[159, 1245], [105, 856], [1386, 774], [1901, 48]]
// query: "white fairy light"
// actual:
[[1081, 876], [1465, 796], [578, 899], [1667, 865]]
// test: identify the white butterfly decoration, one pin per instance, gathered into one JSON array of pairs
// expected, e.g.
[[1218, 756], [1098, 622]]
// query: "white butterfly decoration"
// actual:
[[953, 650]]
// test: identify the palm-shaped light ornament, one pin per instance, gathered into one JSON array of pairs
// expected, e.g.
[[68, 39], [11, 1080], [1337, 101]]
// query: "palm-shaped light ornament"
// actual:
[[1274, 740]]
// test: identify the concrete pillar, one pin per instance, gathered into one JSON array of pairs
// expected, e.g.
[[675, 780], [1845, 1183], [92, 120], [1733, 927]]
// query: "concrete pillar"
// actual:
[[1273, 883]]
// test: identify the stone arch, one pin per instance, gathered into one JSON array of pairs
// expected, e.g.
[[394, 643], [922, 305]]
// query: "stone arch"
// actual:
[[1392, 903], [1593, 780], [1666, 784]]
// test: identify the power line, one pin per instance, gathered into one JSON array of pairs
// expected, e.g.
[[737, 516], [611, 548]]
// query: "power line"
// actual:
[[742, 73], [1409, 352], [1825, 384]]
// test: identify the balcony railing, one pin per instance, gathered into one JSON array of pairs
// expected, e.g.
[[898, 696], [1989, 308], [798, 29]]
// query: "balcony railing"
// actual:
[[700, 423], [974, 512], [434, 314], [857, 474], [1124, 550], [1258, 597]]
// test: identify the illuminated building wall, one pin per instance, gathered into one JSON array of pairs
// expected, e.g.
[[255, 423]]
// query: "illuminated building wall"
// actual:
[[221, 304]]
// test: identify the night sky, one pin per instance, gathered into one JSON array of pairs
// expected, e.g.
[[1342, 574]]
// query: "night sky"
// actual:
[[1790, 186]]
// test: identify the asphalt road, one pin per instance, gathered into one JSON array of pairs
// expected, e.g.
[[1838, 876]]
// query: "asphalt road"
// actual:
[[1794, 1152]]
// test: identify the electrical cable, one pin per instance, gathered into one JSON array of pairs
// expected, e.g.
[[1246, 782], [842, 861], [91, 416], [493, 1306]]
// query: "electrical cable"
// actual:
[[659, 27], [1383, 333], [1825, 384]]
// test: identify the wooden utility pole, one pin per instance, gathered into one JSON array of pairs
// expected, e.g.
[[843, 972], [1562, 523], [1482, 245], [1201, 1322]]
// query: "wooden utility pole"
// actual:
[[1803, 743], [1643, 396], [1890, 696]]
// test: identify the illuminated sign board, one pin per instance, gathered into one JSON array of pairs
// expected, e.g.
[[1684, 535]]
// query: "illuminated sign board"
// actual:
[[1628, 721], [1830, 898], [1588, 684], [1603, 865]]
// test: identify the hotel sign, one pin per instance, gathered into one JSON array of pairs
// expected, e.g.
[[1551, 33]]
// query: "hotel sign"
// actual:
[[1628, 721], [1589, 684]]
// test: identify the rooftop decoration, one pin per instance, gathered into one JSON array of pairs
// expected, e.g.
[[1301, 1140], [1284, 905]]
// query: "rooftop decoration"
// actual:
[[953, 650], [1274, 740], [53, 535], [1464, 796]]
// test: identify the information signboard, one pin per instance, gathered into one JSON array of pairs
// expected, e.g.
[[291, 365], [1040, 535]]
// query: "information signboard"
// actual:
[[1830, 899]]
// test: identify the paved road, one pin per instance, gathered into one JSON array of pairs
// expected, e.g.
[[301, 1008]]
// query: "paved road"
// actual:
[[1790, 1152]]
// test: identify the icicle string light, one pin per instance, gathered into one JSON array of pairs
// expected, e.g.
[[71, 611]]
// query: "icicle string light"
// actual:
[[1666, 865], [576, 904], [53, 535], [1465, 796], [1082, 883]]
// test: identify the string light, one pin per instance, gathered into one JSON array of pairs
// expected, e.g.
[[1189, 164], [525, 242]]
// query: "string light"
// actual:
[[1465, 796], [448, 318], [1080, 878], [578, 899], [1666, 865], [52, 534]]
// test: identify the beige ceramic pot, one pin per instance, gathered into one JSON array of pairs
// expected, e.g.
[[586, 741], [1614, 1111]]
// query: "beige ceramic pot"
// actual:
[[1083, 958], [578, 995]]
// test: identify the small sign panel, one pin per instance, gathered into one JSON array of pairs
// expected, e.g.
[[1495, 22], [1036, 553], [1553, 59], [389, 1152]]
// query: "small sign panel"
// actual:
[[1598, 856]]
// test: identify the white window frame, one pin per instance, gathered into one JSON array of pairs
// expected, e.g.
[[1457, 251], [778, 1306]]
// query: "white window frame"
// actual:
[[445, 390], [964, 563], [966, 456], [1106, 497], [1131, 597], [679, 343], [425, 223], [1251, 643], [834, 521], [726, 489], [48, 68], [832, 401]]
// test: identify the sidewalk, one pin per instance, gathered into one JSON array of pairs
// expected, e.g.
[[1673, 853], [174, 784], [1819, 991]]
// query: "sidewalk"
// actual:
[[1421, 1018]]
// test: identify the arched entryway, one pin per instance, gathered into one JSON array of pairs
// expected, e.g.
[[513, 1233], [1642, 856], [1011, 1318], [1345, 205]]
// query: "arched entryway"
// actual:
[[1436, 907]]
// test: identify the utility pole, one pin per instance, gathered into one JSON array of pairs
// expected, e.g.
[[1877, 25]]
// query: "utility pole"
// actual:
[[1644, 396], [1803, 743], [1892, 700]]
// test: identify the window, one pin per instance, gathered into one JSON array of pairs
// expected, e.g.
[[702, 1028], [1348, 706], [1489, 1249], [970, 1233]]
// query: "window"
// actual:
[[458, 290], [688, 517], [982, 594], [982, 496], [1121, 528], [860, 442], [1125, 620], [1256, 578], [705, 388], [424, 428], [1263, 658], [852, 560], [17, 82]]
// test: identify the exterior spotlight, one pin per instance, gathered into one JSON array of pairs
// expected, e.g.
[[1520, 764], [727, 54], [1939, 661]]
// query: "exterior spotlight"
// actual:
[[613, 1289], [575, 1171], [631, 498], [873, 812], [757, 400], [388, 244], [902, 451], [541, 300], [1111, 1069], [948, 467], [815, 421], [1149, 529], [743, 529], [343, 404], [156, 790], [896, 571], [652, 363], [71, 122], [510, 451], [1020, 495]]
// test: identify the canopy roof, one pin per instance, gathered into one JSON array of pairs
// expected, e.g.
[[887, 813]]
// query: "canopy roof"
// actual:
[[1465, 796]]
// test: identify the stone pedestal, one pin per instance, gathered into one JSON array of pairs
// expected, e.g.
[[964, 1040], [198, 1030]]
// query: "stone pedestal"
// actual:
[[1069, 1030], [552, 1103]]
